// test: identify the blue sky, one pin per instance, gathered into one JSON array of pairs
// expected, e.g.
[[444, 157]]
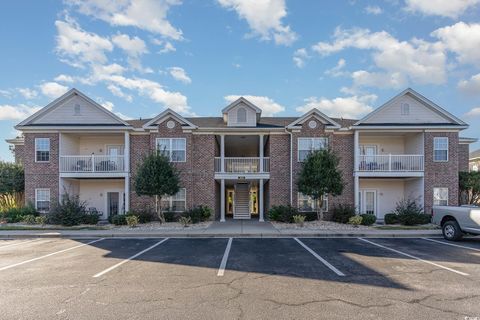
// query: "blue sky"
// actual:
[[136, 58]]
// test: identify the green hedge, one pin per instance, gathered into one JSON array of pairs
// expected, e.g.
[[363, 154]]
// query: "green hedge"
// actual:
[[343, 213]]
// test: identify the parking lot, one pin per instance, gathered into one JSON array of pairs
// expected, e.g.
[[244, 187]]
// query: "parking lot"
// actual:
[[225, 278]]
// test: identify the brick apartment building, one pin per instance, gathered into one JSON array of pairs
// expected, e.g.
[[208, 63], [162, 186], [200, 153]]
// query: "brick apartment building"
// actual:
[[240, 164]]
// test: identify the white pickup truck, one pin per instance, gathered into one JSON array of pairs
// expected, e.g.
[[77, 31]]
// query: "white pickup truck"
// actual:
[[455, 221]]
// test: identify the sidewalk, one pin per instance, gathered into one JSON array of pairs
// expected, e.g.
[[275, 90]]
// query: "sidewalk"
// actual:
[[247, 228]]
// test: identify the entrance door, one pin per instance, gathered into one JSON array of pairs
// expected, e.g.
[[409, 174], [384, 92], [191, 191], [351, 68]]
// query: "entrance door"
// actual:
[[369, 151], [368, 200], [115, 153], [114, 204]]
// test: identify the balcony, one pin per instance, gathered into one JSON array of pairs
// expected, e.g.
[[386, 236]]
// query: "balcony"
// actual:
[[92, 164], [242, 165], [391, 163]]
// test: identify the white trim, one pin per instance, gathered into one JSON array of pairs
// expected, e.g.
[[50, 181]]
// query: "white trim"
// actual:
[[170, 147], [411, 174], [168, 113], [49, 149], [364, 203], [121, 207], [93, 174], [313, 149], [244, 101], [318, 115], [49, 199], [448, 148], [170, 200], [242, 176]]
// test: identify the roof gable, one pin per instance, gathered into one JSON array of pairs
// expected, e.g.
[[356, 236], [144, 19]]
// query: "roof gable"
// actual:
[[420, 111], [320, 116], [165, 115], [241, 100], [73, 108]]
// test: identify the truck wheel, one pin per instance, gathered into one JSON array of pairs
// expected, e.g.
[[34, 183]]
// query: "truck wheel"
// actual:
[[451, 231]]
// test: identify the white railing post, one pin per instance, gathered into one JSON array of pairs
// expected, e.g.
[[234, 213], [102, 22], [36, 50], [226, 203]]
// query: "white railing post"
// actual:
[[93, 162], [261, 152], [390, 162]]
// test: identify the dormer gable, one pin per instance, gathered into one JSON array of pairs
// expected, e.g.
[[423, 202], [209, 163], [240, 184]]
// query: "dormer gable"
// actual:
[[315, 114], [241, 113], [166, 115]]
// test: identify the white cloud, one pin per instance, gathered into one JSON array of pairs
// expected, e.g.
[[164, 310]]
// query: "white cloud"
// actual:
[[167, 46], [375, 10], [134, 46], [28, 93], [471, 86], [269, 106], [150, 15], [179, 74], [108, 105], [78, 47], [337, 70], [264, 18], [64, 78], [475, 112], [416, 61], [20, 112], [116, 91], [52, 89], [347, 107], [445, 8], [463, 39], [299, 57]]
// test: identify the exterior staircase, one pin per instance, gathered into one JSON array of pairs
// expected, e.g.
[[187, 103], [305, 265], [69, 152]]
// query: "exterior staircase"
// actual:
[[242, 201]]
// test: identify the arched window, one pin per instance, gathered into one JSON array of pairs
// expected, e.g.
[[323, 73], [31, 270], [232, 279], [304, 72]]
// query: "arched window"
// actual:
[[241, 115]]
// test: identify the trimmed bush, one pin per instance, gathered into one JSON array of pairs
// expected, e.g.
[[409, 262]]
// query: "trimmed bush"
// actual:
[[170, 216], [198, 214], [91, 218], [342, 213], [42, 220], [69, 212], [309, 216], [185, 221], [368, 219], [132, 221], [390, 218], [13, 215], [282, 213], [119, 220], [29, 219], [355, 220]]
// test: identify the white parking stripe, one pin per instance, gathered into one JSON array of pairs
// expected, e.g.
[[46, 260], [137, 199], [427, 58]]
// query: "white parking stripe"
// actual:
[[223, 264], [18, 243], [128, 259], [451, 244], [325, 262], [49, 255], [416, 258]]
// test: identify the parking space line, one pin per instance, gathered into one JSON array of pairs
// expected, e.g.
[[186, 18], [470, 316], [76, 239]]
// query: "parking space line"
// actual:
[[325, 262], [414, 257], [130, 258], [49, 255], [18, 243], [451, 244], [223, 264]]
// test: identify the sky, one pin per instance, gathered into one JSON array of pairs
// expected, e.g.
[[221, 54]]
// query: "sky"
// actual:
[[138, 57]]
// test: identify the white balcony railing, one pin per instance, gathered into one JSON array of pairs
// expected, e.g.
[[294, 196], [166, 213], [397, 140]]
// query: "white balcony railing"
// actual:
[[390, 162], [242, 165], [92, 163]]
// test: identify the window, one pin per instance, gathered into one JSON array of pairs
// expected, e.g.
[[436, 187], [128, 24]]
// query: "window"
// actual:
[[440, 149], [42, 200], [307, 145], [405, 109], [77, 109], [42, 149], [440, 196], [173, 148], [241, 115], [307, 204], [177, 202]]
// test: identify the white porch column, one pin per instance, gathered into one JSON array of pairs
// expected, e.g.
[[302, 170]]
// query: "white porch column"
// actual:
[[127, 193], [260, 205], [222, 199], [222, 159], [356, 149], [260, 152], [126, 152], [356, 190]]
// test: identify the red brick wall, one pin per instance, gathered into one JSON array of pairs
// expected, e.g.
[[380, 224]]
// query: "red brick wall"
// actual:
[[40, 174], [18, 153], [139, 148], [441, 174], [343, 146], [279, 184], [463, 155], [203, 185]]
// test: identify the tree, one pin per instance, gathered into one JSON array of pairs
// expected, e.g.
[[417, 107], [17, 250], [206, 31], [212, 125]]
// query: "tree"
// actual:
[[469, 185], [157, 177], [319, 176], [12, 185]]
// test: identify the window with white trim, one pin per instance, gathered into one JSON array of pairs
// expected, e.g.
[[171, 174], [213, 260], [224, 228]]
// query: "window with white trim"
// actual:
[[175, 203], [308, 204], [440, 149], [440, 196], [42, 149], [173, 148], [308, 145], [42, 200], [241, 115]]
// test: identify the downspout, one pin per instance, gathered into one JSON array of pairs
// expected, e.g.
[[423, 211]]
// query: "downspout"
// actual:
[[291, 165]]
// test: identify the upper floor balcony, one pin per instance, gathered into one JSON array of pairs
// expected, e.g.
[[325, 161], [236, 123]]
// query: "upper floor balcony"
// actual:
[[92, 163], [391, 163], [242, 165]]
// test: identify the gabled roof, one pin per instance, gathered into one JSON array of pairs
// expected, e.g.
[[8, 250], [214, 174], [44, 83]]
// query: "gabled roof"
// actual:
[[426, 102], [474, 154], [241, 100], [318, 115], [57, 102], [169, 113]]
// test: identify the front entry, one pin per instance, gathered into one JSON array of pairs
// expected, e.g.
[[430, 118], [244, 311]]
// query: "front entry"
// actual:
[[241, 204], [115, 203], [368, 201]]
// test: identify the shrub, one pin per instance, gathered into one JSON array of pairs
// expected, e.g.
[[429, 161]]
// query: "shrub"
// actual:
[[169, 216], [118, 220], [132, 221], [299, 220], [409, 213], [70, 211], [42, 220], [145, 216], [282, 213], [185, 221], [355, 220], [342, 213], [198, 214], [91, 218], [13, 215], [29, 219], [368, 219], [310, 216], [391, 218]]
